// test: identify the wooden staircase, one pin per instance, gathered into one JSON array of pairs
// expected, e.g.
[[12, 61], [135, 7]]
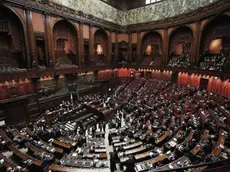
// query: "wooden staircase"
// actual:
[[146, 61]]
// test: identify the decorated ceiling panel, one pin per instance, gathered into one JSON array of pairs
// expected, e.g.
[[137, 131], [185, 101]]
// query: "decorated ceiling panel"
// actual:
[[158, 11]]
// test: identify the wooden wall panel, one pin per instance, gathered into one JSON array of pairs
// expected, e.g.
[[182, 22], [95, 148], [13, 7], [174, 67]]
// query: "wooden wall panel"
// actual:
[[4, 92], [38, 22], [113, 37], [123, 37], [86, 31], [134, 38], [23, 88]]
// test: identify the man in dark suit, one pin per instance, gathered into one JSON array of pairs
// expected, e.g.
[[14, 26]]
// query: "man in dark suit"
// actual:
[[208, 147], [191, 144], [112, 162], [130, 165]]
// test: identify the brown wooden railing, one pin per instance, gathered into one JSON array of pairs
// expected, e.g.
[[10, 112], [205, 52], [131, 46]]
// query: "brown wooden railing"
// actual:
[[34, 73]]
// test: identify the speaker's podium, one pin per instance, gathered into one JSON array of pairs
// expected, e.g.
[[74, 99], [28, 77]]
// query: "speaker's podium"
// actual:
[[15, 110]]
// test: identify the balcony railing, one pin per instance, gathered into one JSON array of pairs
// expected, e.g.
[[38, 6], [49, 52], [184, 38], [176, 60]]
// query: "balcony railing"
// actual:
[[35, 73]]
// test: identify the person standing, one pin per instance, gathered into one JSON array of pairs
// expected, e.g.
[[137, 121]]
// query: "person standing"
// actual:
[[112, 162]]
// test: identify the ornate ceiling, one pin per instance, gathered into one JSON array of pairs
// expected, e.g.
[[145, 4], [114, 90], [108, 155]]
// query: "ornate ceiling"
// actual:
[[153, 12]]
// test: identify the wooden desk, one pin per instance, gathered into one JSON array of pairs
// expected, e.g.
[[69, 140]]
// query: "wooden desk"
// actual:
[[119, 144], [199, 169], [99, 150], [216, 151], [158, 159], [67, 141], [142, 155], [133, 151], [103, 156], [132, 145], [124, 143], [35, 149], [55, 167], [31, 147], [115, 141], [61, 144], [31, 133], [166, 134], [24, 156], [7, 163], [195, 150], [18, 153], [173, 164], [190, 136], [116, 138], [5, 137], [57, 150], [141, 166]]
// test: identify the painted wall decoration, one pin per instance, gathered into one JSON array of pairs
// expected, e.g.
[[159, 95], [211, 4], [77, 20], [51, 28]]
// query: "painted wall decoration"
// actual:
[[158, 11]]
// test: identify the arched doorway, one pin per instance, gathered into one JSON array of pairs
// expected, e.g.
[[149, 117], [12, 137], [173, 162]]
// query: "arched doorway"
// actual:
[[180, 47], [12, 42], [65, 39], [123, 52], [151, 48], [215, 44], [100, 47]]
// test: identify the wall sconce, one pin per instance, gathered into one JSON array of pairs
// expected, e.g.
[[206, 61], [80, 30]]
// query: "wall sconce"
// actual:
[[148, 50], [99, 49]]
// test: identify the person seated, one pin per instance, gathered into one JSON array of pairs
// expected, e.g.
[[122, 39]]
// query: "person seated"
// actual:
[[208, 147], [191, 144]]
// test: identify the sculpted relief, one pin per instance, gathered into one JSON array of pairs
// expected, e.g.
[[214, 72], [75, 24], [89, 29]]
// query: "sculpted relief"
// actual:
[[158, 11]]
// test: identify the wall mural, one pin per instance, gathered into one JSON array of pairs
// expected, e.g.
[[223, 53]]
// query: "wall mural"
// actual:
[[158, 11]]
